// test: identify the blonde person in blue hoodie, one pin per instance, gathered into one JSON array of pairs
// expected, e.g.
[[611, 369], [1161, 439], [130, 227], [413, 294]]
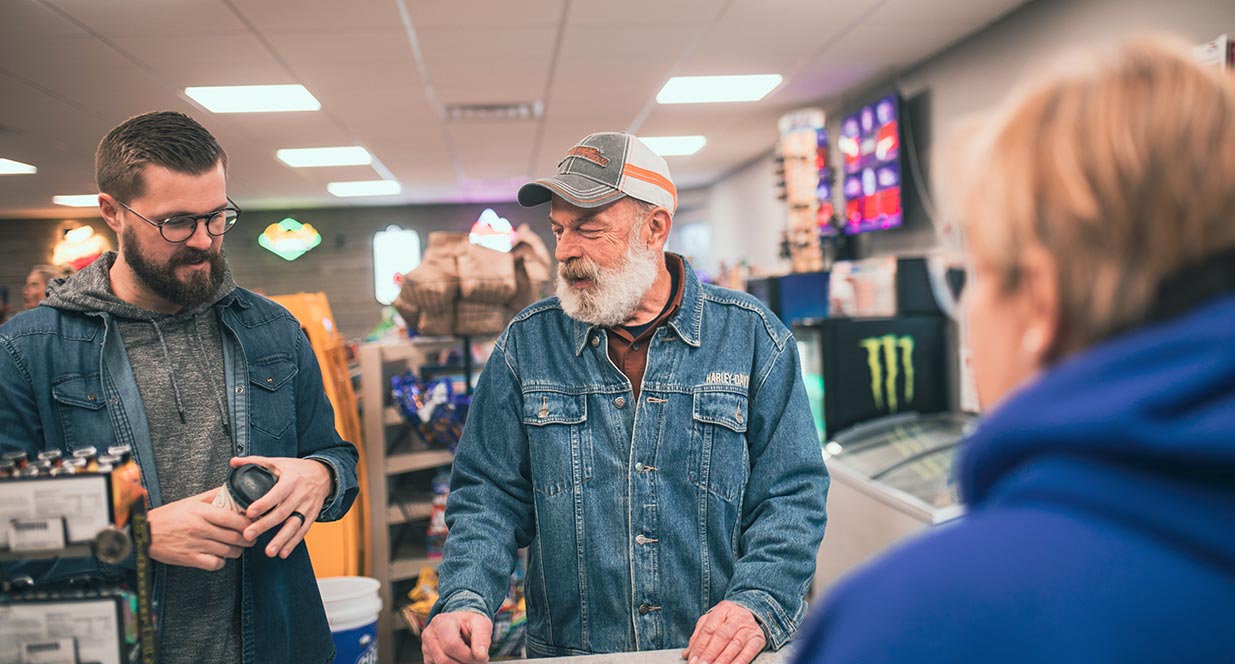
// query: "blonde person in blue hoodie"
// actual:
[[1100, 215]]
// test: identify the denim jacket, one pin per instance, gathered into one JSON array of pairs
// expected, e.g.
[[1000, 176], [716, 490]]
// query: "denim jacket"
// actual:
[[66, 382], [638, 517]]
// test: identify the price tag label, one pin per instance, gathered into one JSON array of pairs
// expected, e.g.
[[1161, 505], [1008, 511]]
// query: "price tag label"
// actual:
[[49, 651], [36, 534]]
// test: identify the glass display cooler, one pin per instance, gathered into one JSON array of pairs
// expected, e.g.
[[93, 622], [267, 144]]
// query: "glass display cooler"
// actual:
[[892, 477]]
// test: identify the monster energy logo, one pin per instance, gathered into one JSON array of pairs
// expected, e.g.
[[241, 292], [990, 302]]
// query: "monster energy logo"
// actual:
[[881, 352]]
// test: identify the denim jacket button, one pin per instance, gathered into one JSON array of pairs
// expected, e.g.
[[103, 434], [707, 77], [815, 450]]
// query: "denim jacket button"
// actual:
[[640, 539], [595, 341], [644, 609], [620, 402], [638, 467]]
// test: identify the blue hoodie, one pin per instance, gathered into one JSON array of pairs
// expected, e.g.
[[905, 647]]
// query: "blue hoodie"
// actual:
[[1101, 524]]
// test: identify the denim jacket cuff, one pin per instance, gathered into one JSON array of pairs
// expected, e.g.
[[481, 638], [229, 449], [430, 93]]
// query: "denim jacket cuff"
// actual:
[[464, 600], [332, 501], [777, 626]]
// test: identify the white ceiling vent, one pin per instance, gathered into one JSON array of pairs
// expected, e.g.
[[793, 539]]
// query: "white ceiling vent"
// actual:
[[494, 112]]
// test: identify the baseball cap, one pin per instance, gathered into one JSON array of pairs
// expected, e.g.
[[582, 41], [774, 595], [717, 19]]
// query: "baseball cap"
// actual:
[[602, 168]]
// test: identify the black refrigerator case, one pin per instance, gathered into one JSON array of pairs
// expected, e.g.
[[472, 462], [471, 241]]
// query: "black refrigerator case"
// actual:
[[874, 367]]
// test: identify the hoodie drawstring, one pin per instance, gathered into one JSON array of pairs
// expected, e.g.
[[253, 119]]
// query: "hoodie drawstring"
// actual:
[[167, 362], [218, 398]]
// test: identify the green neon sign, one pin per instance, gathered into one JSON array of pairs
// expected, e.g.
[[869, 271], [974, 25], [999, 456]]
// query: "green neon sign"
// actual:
[[289, 239]]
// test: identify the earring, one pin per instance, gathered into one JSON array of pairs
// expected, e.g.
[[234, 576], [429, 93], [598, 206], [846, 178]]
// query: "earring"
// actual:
[[1032, 341]]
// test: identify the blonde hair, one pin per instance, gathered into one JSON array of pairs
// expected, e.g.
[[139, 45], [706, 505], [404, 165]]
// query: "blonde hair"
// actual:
[[50, 272], [1122, 169]]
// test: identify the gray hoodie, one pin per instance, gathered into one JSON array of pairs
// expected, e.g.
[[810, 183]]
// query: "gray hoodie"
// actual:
[[177, 361]]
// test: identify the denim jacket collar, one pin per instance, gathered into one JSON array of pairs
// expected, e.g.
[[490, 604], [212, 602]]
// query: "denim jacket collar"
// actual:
[[234, 298], [687, 322]]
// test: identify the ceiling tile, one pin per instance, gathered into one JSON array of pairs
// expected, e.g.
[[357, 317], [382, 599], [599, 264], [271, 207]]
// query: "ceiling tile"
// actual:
[[336, 47], [119, 18], [383, 114], [30, 20], [506, 82], [493, 151], [481, 13], [320, 16], [583, 44], [954, 11], [232, 59], [754, 37], [488, 45], [645, 12], [328, 80]]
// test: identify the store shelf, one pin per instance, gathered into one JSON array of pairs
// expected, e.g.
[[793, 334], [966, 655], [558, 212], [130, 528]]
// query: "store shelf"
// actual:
[[396, 485], [397, 464], [405, 511], [410, 559], [391, 417]]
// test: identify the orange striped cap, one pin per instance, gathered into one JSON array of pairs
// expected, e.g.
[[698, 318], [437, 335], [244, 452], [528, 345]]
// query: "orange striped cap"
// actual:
[[603, 168]]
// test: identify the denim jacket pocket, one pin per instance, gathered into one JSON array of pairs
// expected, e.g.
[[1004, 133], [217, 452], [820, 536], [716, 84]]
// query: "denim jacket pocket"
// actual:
[[559, 440], [719, 460], [272, 397], [80, 400]]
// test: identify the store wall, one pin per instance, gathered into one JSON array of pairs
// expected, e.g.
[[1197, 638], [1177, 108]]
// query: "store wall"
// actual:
[[970, 76], [747, 218], [341, 266]]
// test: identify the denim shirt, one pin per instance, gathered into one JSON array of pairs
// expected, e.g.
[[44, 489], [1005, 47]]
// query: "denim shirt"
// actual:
[[638, 517], [66, 382]]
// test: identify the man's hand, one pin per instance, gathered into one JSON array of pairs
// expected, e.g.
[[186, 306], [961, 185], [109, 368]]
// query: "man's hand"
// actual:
[[728, 634], [458, 636], [293, 502], [193, 533]]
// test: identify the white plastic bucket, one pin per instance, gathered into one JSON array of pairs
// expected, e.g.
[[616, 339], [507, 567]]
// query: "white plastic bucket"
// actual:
[[352, 605]]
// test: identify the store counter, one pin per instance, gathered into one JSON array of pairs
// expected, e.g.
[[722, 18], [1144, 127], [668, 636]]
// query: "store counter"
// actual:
[[674, 656]]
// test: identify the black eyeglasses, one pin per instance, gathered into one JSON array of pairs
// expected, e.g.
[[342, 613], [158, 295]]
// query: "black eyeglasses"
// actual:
[[182, 226]]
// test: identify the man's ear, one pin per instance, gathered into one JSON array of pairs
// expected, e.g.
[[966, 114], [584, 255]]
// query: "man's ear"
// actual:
[[110, 209], [658, 227]]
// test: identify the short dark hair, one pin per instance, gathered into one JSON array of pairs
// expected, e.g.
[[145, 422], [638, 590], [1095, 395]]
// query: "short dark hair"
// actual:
[[169, 139]]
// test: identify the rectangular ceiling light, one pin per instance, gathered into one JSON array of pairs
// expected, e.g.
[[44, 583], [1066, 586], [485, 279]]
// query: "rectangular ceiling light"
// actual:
[[77, 200], [352, 155], [711, 89], [364, 188], [254, 98], [674, 146], [10, 167]]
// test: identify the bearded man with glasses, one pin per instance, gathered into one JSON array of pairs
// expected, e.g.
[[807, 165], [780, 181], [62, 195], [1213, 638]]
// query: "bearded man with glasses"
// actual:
[[155, 347]]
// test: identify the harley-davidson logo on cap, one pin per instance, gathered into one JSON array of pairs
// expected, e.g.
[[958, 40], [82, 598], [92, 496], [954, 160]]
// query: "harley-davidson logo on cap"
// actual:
[[603, 168]]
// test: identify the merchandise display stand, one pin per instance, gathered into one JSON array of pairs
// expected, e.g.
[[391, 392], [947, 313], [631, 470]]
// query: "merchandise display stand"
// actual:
[[397, 494], [56, 516]]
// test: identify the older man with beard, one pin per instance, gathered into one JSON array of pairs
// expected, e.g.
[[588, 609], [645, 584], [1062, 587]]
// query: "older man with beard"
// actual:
[[156, 348], [646, 436]]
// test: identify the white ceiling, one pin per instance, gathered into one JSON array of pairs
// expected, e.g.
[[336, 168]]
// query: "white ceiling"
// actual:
[[383, 70]]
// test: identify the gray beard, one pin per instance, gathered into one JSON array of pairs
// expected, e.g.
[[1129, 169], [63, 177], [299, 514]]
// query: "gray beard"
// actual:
[[615, 292]]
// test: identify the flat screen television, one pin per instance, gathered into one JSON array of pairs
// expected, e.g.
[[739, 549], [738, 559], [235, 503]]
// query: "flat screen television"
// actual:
[[869, 143]]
